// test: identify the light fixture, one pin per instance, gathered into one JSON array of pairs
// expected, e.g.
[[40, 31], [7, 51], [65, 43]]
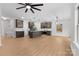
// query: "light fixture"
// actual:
[[28, 7], [22, 17], [4, 18]]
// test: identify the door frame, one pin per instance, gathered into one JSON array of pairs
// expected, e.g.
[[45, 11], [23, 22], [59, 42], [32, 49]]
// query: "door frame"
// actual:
[[76, 23]]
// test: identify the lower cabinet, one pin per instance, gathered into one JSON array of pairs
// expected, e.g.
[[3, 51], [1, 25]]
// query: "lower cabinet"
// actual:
[[19, 34], [33, 34]]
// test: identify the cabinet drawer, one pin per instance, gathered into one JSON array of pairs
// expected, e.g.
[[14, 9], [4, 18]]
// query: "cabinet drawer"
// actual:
[[19, 34]]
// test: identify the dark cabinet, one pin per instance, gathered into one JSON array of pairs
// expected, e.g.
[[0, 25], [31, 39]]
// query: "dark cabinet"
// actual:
[[33, 34], [19, 34], [46, 32]]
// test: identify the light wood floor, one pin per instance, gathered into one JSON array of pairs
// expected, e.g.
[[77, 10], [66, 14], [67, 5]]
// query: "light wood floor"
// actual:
[[42, 46]]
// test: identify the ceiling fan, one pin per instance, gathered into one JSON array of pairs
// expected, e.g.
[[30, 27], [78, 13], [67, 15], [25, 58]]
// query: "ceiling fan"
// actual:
[[30, 6]]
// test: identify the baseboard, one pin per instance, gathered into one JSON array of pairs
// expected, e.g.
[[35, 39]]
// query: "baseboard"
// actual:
[[77, 45], [60, 35], [75, 48], [0, 42]]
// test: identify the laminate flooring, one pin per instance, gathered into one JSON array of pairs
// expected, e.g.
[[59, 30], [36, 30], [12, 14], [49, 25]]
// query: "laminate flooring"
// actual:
[[41, 46]]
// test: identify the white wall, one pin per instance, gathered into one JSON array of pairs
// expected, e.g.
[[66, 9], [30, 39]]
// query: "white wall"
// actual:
[[0, 33], [0, 21], [72, 22], [9, 27], [65, 12]]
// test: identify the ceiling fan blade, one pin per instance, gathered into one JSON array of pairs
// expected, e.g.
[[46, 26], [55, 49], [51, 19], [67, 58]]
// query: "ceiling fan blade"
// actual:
[[20, 7], [26, 10], [37, 5], [36, 8], [21, 3], [32, 10]]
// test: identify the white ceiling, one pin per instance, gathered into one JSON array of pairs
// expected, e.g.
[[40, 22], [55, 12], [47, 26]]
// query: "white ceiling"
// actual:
[[48, 10]]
